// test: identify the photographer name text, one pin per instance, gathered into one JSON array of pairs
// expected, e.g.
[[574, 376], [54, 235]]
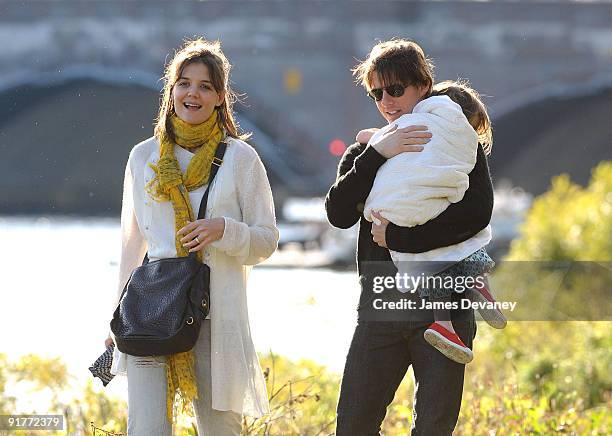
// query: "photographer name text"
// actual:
[[464, 303]]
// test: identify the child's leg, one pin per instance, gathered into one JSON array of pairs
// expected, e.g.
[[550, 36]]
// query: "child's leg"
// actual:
[[481, 293], [442, 315]]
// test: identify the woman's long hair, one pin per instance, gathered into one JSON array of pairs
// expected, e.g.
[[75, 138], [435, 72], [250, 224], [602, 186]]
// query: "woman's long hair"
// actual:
[[208, 53]]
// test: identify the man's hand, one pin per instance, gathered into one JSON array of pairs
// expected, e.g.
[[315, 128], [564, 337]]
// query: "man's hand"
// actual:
[[379, 228], [397, 141]]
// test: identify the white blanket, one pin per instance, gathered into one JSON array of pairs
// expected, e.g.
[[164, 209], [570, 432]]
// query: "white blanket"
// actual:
[[412, 188]]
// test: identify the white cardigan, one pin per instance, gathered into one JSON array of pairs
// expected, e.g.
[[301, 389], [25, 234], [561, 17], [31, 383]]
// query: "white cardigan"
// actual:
[[240, 194], [413, 188]]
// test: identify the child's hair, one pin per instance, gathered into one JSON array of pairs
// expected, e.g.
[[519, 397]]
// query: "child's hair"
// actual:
[[473, 108]]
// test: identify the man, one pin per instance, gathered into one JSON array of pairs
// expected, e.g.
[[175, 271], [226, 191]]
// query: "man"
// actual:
[[397, 75]]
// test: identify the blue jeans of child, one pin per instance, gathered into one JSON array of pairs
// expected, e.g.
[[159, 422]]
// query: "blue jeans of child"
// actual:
[[378, 358]]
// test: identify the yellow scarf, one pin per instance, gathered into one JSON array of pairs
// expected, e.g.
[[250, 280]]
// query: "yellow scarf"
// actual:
[[170, 184]]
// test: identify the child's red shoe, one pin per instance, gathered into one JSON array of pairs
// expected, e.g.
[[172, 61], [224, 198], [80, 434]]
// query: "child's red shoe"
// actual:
[[448, 343]]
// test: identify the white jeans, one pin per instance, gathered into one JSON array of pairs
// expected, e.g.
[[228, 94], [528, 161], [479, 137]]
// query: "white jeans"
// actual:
[[147, 387]]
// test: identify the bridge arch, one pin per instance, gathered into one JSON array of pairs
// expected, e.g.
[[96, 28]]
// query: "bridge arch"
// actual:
[[556, 128], [65, 137]]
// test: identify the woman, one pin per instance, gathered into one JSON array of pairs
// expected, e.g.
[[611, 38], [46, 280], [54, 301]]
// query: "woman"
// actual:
[[397, 75], [221, 376]]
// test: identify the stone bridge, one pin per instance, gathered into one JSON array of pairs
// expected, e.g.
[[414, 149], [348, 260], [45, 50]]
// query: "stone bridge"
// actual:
[[79, 85]]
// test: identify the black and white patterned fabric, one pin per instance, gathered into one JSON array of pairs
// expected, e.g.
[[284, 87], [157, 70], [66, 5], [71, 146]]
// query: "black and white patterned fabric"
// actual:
[[476, 264], [102, 366]]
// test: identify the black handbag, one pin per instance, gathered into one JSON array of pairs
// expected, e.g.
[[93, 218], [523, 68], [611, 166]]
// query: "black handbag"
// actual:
[[162, 306]]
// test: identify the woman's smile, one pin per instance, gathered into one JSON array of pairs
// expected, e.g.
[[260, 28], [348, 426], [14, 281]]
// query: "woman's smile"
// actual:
[[192, 106]]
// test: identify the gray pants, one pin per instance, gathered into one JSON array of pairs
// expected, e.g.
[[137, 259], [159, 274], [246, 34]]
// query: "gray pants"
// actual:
[[147, 387]]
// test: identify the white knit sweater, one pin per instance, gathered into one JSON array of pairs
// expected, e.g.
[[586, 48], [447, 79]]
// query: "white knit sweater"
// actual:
[[413, 188], [241, 195]]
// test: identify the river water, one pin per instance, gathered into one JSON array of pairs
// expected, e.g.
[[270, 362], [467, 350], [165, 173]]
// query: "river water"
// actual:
[[59, 277]]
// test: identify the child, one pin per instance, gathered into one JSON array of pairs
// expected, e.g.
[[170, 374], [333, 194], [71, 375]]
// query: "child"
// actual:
[[412, 188]]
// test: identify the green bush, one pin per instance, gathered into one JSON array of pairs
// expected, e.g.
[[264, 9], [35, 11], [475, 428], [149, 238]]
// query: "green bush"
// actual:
[[536, 378], [569, 222]]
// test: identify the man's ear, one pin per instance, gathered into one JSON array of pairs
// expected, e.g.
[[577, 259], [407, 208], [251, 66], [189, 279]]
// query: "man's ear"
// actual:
[[422, 91]]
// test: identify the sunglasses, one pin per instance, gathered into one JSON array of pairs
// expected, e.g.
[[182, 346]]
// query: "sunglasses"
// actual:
[[396, 90]]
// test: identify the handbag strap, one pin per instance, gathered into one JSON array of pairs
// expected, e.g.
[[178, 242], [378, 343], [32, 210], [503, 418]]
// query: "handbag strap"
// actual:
[[214, 167]]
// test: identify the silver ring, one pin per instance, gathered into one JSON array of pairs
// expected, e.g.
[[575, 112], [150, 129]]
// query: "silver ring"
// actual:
[[197, 240]]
